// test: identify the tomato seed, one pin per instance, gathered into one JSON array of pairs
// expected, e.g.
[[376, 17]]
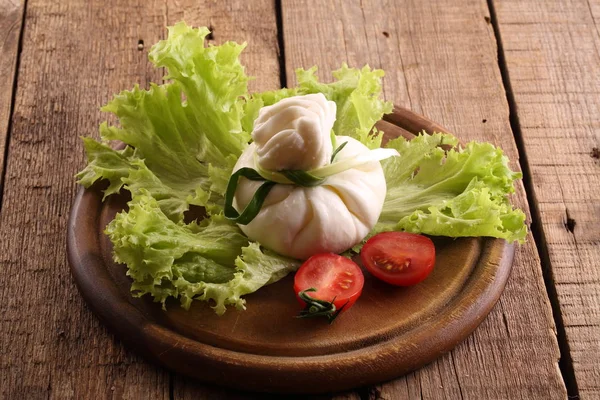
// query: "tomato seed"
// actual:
[[391, 266]]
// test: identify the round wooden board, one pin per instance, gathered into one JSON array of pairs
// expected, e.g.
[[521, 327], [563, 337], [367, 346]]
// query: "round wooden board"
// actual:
[[389, 332]]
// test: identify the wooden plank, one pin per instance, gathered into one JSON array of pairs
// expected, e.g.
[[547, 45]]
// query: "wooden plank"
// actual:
[[552, 53], [440, 59], [11, 16], [187, 389], [76, 55]]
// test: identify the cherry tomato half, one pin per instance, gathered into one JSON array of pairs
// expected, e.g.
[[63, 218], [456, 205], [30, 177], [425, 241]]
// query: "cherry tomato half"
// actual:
[[336, 280], [399, 258]]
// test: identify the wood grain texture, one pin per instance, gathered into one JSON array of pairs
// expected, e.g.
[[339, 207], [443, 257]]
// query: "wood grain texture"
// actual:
[[75, 56], [552, 52], [440, 59], [187, 389], [11, 16]]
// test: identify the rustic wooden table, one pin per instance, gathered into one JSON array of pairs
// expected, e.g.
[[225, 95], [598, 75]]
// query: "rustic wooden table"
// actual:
[[522, 74]]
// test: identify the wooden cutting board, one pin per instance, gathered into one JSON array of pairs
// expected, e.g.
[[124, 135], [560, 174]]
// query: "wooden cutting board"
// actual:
[[389, 331]]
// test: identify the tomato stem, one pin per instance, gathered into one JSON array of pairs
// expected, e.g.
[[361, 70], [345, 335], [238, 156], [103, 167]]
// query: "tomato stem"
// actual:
[[318, 308]]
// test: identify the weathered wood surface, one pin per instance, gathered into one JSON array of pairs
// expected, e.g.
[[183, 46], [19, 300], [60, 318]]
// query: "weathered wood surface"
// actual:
[[440, 59], [75, 56], [11, 16], [552, 52]]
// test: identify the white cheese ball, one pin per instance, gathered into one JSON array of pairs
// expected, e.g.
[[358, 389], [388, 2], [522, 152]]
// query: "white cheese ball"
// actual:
[[295, 133], [302, 221]]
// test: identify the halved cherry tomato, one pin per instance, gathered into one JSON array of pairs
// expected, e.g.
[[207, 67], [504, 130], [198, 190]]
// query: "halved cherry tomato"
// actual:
[[399, 258], [337, 281]]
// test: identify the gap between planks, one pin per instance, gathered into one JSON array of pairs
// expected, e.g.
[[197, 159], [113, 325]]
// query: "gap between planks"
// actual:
[[565, 362], [13, 96], [280, 44]]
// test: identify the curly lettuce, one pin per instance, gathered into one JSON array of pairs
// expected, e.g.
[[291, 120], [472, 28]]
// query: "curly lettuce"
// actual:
[[182, 139], [357, 94], [210, 261], [188, 132], [457, 192]]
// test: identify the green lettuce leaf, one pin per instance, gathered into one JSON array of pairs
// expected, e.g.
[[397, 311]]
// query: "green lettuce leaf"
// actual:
[[188, 133], [124, 168], [214, 83], [209, 261], [357, 94], [459, 192], [173, 200], [105, 163]]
